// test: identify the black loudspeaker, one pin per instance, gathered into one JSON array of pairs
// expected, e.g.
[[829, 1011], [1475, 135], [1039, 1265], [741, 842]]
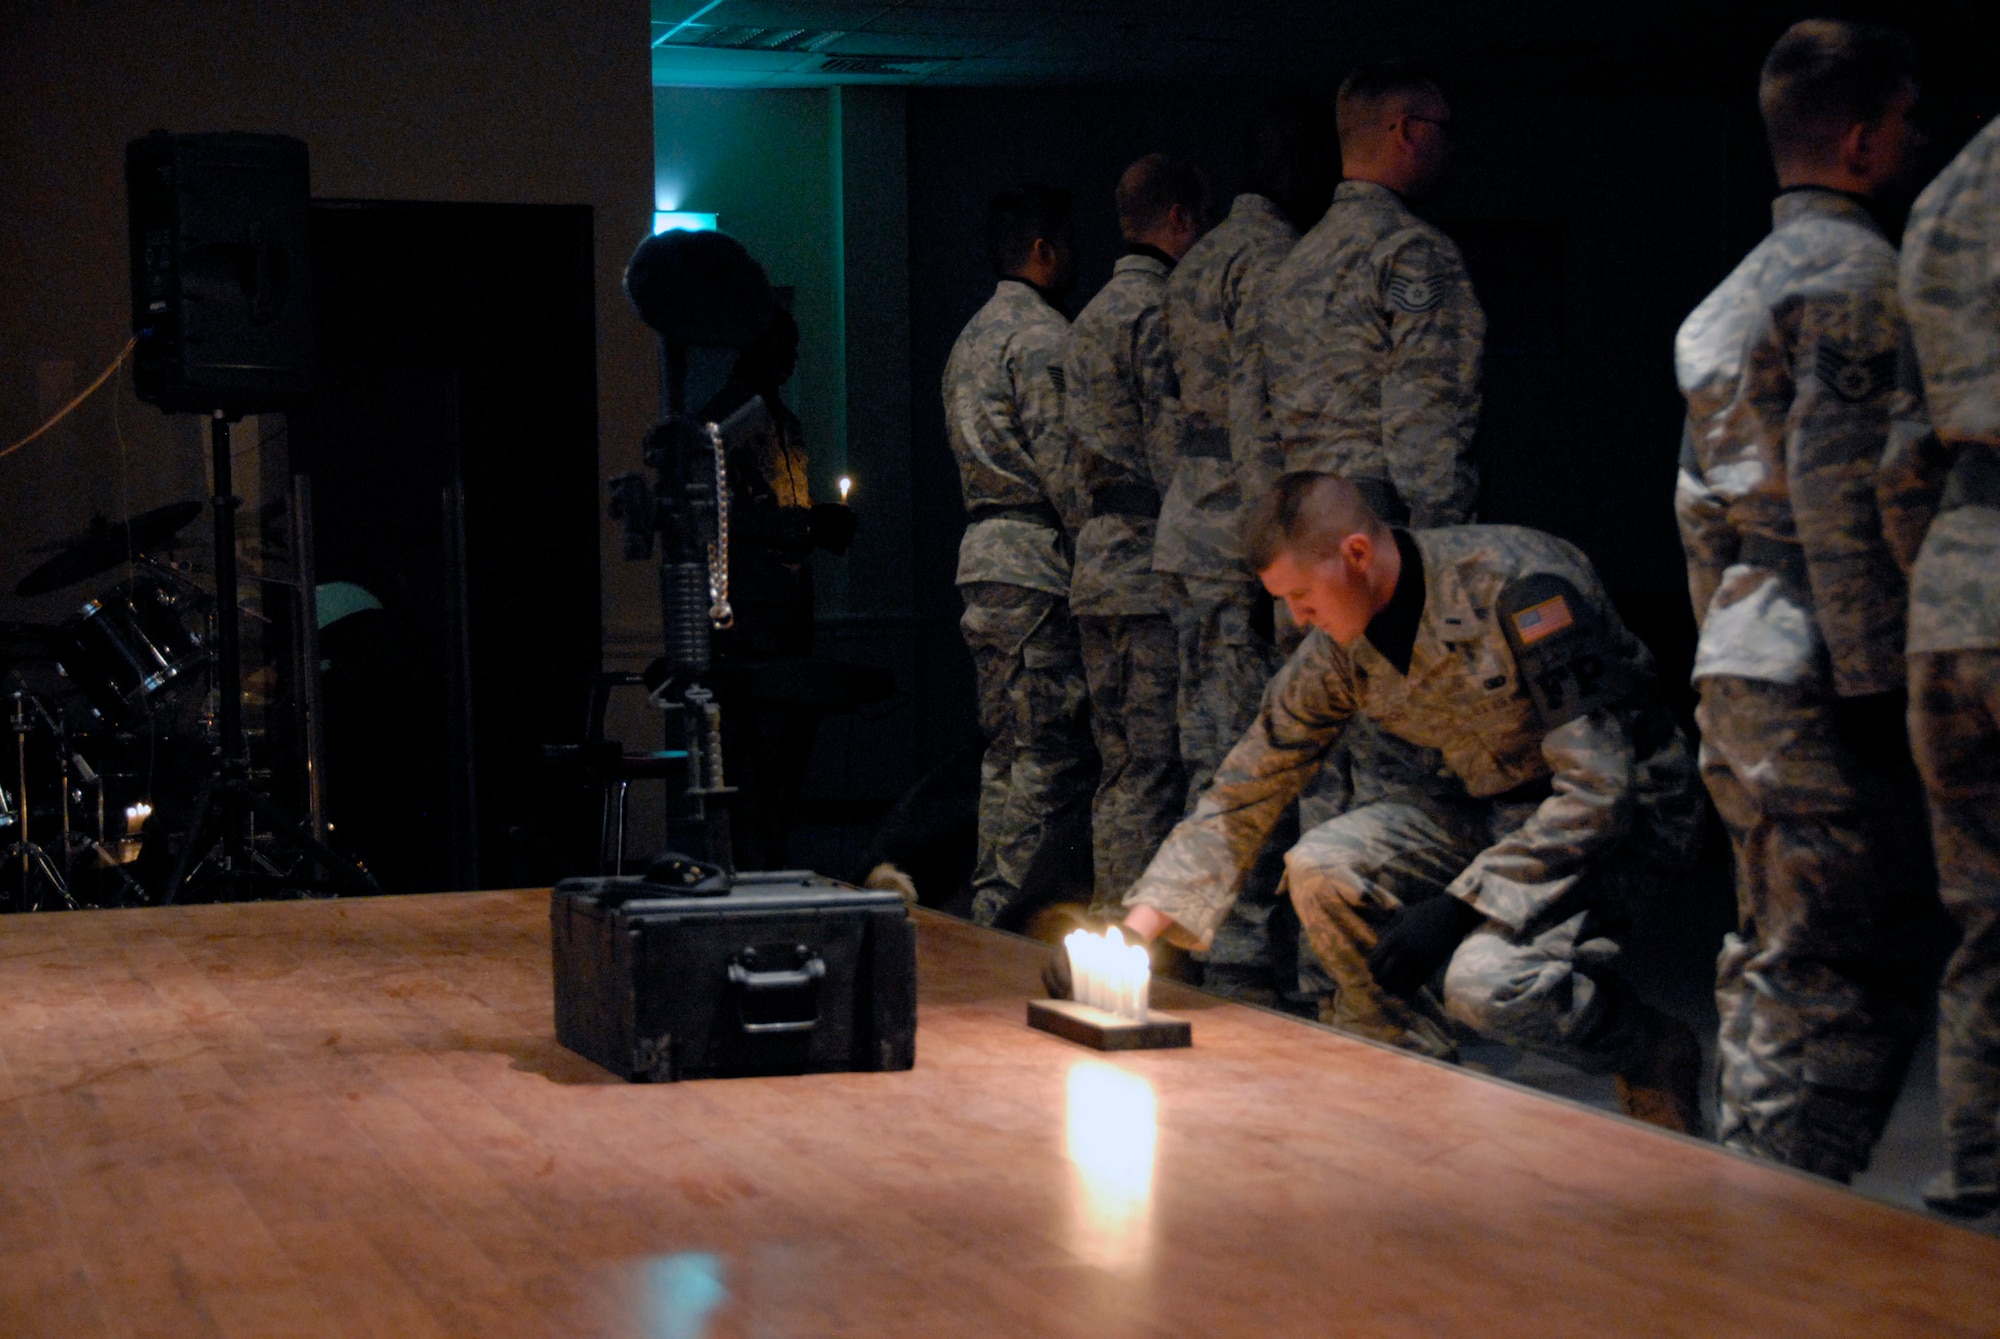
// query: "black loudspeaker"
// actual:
[[221, 271]]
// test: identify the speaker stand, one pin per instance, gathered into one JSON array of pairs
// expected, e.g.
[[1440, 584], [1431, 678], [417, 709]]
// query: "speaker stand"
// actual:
[[218, 847]]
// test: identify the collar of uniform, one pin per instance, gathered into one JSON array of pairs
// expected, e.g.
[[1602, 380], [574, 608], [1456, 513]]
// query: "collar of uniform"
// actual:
[[1252, 203], [1035, 288], [1373, 191], [1139, 256], [1449, 614], [1797, 202], [1393, 632]]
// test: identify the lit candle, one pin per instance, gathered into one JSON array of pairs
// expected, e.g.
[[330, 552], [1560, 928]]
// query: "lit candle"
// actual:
[[846, 486], [1109, 974]]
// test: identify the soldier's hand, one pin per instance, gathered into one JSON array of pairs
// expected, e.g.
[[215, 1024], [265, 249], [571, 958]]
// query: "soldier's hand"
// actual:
[[1419, 941], [1876, 727]]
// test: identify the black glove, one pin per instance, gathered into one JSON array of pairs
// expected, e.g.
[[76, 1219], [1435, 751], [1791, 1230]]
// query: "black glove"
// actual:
[[1419, 941], [1876, 727], [1056, 977], [831, 526]]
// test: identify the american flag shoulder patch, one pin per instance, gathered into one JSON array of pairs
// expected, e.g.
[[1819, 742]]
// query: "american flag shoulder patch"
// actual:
[[1541, 620]]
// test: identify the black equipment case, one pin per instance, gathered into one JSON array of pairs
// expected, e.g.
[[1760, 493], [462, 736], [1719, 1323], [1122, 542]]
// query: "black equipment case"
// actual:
[[786, 972]]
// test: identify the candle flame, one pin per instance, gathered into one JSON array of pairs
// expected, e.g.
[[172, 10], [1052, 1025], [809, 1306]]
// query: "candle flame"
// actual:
[[846, 486], [1109, 973]]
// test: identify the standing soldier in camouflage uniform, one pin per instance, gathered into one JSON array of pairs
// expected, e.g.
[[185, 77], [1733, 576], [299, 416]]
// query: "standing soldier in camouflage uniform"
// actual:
[[1373, 338], [1494, 895], [1951, 293], [1373, 335], [1229, 456], [1119, 410], [1004, 417], [1788, 369]]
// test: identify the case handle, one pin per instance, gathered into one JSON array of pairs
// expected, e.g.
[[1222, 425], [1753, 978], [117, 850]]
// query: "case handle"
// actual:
[[805, 976]]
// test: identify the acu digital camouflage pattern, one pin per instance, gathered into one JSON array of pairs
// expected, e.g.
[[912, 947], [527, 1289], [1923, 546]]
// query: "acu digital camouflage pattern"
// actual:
[[1119, 410], [1373, 339], [1529, 822], [1228, 441], [1789, 370], [1128, 662], [1003, 412], [1038, 758], [1951, 292]]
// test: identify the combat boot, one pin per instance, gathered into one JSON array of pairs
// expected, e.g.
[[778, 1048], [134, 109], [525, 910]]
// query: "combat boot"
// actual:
[[1663, 1085], [1961, 1197]]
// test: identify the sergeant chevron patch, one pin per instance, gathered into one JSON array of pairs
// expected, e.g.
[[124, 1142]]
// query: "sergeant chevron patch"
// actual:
[[1854, 379], [1414, 295]]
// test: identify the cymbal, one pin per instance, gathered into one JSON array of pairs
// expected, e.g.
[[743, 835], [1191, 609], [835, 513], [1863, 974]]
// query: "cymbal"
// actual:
[[107, 544]]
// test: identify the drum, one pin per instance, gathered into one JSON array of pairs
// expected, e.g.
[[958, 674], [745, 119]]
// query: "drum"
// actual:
[[126, 646]]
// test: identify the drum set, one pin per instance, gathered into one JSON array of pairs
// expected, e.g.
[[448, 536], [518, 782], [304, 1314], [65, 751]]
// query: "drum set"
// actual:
[[92, 705]]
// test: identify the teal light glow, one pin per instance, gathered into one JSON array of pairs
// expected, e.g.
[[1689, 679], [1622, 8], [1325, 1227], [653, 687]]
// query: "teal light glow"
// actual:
[[682, 221]]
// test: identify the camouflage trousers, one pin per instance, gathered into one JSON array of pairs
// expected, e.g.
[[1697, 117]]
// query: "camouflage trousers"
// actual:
[[1547, 989], [1032, 706], [1822, 987], [1225, 661], [1128, 661], [1955, 732]]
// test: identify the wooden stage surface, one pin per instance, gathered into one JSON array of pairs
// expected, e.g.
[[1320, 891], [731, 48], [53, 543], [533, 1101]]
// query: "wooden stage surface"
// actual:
[[352, 1118]]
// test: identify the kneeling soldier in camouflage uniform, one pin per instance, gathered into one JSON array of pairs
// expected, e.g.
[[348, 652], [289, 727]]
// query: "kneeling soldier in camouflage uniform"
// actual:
[[1951, 293], [1494, 895], [1789, 373]]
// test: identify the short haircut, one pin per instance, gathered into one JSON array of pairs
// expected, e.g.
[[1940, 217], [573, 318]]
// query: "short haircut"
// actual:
[[1825, 76], [1017, 219], [1307, 513], [1152, 186], [1372, 91], [1290, 152]]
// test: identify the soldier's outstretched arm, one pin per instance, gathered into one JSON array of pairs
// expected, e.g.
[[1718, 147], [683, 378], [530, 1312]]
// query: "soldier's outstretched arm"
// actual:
[[1708, 541], [1430, 388], [1198, 871], [1843, 374]]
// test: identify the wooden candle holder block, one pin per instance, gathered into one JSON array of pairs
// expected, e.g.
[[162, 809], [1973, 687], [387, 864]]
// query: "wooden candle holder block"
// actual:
[[1102, 1030]]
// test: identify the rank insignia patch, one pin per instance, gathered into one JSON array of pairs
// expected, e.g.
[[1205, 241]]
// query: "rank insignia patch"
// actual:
[[1854, 379], [1541, 620], [1415, 296], [1058, 379]]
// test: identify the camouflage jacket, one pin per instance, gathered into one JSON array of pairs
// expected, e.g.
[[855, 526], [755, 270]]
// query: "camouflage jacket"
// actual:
[[1228, 443], [1789, 373], [1951, 293], [1523, 678], [1120, 411], [1373, 338], [1003, 415]]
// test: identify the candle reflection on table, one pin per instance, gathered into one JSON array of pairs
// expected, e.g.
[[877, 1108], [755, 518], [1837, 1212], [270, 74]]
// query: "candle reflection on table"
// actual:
[[1113, 1129]]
